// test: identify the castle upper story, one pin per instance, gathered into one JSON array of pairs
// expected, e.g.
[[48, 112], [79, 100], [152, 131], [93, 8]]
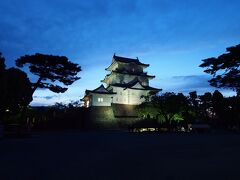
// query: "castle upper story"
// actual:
[[125, 70]]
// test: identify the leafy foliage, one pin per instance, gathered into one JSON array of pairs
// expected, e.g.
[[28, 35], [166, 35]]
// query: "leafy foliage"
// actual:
[[147, 109], [15, 89], [50, 70], [170, 105], [210, 108], [225, 69], [165, 106]]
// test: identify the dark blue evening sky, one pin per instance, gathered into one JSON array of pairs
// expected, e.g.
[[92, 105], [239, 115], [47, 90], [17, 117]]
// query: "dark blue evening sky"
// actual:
[[172, 36]]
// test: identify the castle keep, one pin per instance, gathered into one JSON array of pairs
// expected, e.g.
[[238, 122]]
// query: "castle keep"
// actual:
[[126, 84]]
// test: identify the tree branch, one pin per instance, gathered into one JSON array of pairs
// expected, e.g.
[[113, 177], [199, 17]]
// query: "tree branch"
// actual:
[[36, 84]]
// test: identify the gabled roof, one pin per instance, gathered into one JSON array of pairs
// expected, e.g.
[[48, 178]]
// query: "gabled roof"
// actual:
[[135, 84], [100, 90], [128, 60], [125, 60]]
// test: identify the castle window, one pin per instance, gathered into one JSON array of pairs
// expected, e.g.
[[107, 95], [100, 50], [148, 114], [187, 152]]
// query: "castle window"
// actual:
[[100, 99], [87, 103]]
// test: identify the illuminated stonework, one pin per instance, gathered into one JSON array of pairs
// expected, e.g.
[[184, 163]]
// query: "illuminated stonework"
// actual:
[[126, 83]]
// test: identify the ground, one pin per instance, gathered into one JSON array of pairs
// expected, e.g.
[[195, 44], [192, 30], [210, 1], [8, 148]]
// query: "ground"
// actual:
[[120, 156]]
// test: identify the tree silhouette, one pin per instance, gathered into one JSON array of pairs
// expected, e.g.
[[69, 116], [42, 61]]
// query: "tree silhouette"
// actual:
[[225, 69], [169, 105], [219, 108], [233, 112], [2, 70], [15, 89], [50, 71], [206, 107], [2, 64], [194, 103]]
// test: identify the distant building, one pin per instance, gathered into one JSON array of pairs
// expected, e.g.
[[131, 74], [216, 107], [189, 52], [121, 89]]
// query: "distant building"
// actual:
[[126, 84]]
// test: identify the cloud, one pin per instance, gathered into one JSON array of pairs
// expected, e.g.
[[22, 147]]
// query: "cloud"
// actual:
[[192, 81], [45, 97], [186, 84]]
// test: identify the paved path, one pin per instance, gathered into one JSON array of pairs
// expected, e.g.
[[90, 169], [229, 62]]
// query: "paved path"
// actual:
[[120, 156]]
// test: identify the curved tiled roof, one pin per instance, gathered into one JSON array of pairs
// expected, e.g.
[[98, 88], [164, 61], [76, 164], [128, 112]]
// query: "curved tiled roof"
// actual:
[[133, 83], [100, 90], [128, 60]]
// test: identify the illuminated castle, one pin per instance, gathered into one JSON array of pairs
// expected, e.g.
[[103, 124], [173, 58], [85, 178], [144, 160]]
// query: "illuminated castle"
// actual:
[[126, 84]]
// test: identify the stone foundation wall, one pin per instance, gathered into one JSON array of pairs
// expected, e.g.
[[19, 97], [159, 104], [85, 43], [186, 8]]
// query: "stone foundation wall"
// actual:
[[104, 117]]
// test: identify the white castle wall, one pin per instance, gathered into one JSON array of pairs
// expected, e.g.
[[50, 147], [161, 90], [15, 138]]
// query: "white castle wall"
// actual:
[[126, 78], [128, 96], [130, 67], [101, 100]]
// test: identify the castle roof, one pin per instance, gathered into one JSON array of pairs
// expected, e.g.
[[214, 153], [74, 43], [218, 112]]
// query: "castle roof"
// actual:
[[135, 84], [100, 90], [119, 59], [128, 60]]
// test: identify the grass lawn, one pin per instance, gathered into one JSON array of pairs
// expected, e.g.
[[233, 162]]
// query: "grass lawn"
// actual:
[[120, 156]]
